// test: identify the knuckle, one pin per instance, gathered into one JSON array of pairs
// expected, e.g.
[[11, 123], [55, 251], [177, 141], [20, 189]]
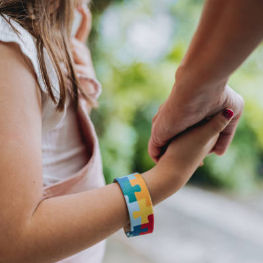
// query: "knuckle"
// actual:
[[238, 104], [156, 139], [241, 102], [154, 119], [157, 114], [234, 100]]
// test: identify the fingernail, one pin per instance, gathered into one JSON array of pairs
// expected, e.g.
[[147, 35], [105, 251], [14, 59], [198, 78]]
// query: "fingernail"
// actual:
[[228, 113]]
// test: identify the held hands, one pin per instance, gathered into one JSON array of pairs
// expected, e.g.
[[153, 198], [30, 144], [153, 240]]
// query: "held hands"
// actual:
[[187, 106], [185, 153]]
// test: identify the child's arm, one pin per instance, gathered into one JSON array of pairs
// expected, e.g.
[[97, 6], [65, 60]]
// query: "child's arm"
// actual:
[[65, 225], [35, 231]]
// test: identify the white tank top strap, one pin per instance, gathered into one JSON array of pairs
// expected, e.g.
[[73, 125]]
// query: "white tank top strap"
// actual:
[[50, 117], [27, 45]]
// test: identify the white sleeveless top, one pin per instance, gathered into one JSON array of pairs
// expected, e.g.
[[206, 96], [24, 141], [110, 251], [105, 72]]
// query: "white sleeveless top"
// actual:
[[63, 149]]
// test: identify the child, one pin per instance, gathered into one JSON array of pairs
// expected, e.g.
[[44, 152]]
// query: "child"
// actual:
[[55, 206]]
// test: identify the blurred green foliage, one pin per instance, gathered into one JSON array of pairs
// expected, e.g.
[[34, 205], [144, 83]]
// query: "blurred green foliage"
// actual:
[[137, 46]]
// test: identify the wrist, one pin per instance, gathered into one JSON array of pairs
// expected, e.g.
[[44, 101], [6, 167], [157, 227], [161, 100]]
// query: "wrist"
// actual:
[[193, 78], [162, 182], [191, 94]]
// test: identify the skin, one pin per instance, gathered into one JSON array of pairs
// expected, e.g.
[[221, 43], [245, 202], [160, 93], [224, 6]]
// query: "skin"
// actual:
[[227, 33], [80, 52], [35, 231]]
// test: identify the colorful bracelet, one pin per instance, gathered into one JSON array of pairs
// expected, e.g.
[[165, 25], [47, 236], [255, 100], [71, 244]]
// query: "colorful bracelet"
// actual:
[[139, 204]]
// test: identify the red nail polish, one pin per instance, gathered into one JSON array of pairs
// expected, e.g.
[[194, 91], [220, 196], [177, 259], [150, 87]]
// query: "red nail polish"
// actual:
[[228, 113]]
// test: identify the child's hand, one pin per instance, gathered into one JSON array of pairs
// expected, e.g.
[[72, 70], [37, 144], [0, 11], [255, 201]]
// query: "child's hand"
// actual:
[[86, 23], [81, 53], [186, 152]]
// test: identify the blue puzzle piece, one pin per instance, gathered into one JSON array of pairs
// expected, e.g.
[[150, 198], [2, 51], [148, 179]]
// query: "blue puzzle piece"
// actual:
[[128, 189], [137, 231], [134, 207], [132, 176]]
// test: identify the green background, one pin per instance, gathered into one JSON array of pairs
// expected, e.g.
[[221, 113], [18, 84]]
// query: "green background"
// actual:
[[136, 47]]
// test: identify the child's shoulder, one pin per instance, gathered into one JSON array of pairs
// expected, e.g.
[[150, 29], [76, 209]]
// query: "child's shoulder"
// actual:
[[12, 31]]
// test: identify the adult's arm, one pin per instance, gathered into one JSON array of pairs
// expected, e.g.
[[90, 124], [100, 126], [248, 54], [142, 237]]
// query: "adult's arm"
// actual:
[[228, 31]]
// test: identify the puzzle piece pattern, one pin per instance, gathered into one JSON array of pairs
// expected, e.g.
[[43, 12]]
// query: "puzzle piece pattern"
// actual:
[[144, 193], [139, 204], [144, 228], [143, 212], [133, 207]]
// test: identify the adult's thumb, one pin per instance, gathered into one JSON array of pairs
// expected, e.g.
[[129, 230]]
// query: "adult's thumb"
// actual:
[[219, 122]]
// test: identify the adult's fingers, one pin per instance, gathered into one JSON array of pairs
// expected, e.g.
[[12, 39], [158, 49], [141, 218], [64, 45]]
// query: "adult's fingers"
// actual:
[[205, 136], [154, 149], [85, 25], [217, 124], [228, 133], [226, 137]]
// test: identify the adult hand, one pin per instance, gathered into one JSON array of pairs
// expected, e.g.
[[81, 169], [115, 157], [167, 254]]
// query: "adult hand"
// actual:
[[186, 107], [221, 43]]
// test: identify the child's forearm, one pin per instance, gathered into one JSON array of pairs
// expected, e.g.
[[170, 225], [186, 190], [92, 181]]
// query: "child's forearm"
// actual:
[[162, 182], [65, 225]]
